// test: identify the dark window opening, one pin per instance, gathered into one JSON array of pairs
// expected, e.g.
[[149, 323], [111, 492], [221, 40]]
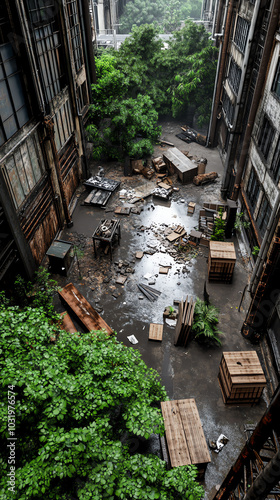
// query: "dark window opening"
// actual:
[[13, 108], [234, 76], [228, 108], [253, 189], [276, 81], [75, 33], [42, 11], [241, 33], [275, 165], [264, 215], [266, 136]]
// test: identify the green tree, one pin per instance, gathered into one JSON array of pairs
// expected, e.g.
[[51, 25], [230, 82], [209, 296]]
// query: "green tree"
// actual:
[[122, 124], [219, 228], [79, 403], [138, 12], [167, 15]]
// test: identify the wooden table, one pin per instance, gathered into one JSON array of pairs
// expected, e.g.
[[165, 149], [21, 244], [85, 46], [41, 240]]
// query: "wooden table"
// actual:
[[107, 231], [184, 434]]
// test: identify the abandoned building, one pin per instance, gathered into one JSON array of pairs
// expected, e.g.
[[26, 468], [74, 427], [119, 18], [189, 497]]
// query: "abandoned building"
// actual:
[[46, 71], [106, 14]]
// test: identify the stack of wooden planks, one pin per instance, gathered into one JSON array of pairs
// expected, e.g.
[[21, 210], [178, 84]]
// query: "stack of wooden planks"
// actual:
[[241, 378], [184, 434], [98, 197], [82, 309], [184, 321]]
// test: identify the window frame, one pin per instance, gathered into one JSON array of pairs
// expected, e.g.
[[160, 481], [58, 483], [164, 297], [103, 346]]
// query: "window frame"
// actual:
[[266, 137], [276, 80], [241, 33]]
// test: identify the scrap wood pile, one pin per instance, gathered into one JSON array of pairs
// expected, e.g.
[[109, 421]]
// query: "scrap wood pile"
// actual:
[[190, 135], [208, 215], [184, 321]]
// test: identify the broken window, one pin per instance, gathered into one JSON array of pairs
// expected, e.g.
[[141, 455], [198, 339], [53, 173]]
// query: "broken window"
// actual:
[[75, 33], [13, 108], [275, 165], [234, 76], [253, 189], [241, 33], [276, 81], [228, 108], [264, 215], [24, 168], [266, 137]]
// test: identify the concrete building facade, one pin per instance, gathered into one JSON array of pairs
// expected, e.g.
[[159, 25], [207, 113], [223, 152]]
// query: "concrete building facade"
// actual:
[[106, 14], [46, 68]]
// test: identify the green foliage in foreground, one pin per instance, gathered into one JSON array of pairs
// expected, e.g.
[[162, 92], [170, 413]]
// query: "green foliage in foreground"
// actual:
[[78, 403], [206, 318]]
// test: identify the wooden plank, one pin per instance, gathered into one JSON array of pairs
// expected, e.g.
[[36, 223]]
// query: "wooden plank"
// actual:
[[194, 434], [90, 318], [67, 323], [174, 236], [155, 332], [121, 280], [163, 270], [179, 322], [175, 435]]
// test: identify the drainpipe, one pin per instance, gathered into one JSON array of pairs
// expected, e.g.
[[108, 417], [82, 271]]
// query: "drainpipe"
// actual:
[[239, 96], [220, 72], [89, 42], [273, 25], [30, 54], [273, 221]]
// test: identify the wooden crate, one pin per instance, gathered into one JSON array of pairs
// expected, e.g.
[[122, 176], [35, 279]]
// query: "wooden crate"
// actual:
[[191, 207], [177, 162], [241, 378], [221, 261], [184, 434]]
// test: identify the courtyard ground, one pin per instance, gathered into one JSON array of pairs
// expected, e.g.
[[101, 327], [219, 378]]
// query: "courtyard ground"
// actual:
[[189, 372]]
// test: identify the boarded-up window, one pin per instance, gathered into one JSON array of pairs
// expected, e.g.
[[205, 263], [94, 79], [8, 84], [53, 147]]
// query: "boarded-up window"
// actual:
[[23, 169], [63, 125]]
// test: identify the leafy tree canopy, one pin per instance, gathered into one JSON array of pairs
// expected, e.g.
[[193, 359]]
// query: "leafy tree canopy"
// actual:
[[167, 15], [78, 401]]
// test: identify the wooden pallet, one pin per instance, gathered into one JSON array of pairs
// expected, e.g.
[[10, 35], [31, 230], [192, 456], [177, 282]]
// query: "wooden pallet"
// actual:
[[82, 309], [241, 378], [97, 197], [155, 332], [184, 434], [184, 321]]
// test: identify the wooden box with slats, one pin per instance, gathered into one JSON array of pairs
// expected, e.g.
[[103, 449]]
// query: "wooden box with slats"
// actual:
[[221, 261], [241, 378]]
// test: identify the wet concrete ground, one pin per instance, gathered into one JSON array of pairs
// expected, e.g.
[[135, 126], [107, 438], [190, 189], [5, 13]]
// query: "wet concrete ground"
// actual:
[[189, 372]]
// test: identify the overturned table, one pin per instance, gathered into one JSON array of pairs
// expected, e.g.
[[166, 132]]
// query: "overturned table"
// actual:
[[184, 434], [107, 231]]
